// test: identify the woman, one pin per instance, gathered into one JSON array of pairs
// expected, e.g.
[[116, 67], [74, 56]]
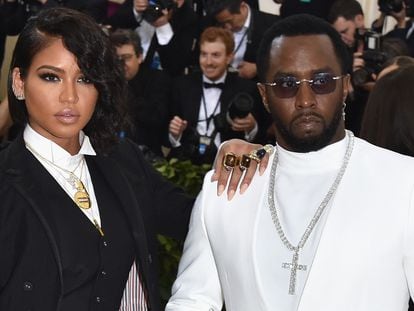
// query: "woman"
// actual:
[[66, 86], [389, 112], [80, 210]]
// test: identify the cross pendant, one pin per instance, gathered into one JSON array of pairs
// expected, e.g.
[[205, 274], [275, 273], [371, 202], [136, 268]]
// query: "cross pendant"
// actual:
[[294, 267]]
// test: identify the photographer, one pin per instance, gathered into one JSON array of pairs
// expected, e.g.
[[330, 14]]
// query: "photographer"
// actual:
[[403, 13], [166, 27], [214, 105], [148, 94]]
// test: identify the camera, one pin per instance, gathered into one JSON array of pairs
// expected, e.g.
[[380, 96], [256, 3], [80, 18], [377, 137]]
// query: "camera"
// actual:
[[374, 61], [373, 56], [201, 149], [155, 8], [240, 106], [388, 6]]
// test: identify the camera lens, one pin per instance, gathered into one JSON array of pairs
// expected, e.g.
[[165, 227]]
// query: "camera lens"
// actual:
[[240, 106]]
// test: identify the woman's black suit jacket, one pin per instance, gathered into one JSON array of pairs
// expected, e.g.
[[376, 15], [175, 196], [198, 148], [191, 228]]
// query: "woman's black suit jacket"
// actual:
[[30, 263]]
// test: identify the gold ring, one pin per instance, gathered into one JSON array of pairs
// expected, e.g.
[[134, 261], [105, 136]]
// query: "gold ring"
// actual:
[[253, 156], [230, 160], [245, 162], [259, 154]]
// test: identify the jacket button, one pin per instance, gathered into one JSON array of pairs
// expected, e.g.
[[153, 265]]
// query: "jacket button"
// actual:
[[150, 258], [98, 299], [27, 286]]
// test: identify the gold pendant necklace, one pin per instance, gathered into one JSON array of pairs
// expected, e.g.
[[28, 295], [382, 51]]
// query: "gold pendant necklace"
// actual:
[[81, 196]]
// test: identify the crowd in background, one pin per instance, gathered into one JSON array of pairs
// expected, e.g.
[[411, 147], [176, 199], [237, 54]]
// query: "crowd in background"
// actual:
[[191, 69], [172, 109]]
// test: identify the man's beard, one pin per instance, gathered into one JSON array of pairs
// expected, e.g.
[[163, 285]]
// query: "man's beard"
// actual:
[[312, 143]]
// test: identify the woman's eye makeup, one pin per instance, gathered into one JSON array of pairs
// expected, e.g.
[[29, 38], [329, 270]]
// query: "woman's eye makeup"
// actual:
[[48, 76]]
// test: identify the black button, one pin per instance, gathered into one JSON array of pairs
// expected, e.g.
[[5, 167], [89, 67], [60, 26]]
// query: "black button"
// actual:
[[105, 243], [27, 286], [103, 272], [98, 299]]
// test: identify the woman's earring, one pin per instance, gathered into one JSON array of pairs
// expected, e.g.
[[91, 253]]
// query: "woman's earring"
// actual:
[[18, 96]]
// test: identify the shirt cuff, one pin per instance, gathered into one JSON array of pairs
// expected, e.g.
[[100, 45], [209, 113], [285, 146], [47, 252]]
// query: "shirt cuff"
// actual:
[[164, 34], [252, 134], [174, 142]]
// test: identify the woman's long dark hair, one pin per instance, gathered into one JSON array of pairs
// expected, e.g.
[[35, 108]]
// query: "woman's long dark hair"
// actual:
[[388, 118], [96, 58]]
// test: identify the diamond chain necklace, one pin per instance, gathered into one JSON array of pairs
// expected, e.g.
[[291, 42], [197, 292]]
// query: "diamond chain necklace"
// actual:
[[294, 266]]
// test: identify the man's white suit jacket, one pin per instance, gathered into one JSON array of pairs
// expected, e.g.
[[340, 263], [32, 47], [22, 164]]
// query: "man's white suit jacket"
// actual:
[[365, 257]]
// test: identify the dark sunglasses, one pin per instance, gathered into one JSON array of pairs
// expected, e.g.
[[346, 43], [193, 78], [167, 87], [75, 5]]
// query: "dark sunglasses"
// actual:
[[288, 86]]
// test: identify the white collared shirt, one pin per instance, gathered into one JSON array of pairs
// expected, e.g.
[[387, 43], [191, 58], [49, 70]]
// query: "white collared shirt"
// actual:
[[40, 145], [240, 40], [209, 107], [146, 32], [133, 298]]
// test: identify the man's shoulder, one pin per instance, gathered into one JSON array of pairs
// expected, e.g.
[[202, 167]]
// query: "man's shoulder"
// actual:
[[184, 80], [388, 160], [233, 79], [264, 18]]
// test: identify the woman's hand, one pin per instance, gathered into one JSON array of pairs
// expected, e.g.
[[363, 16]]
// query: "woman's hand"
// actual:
[[232, 176]]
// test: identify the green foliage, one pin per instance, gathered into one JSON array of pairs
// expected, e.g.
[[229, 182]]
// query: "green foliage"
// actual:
[[189, 177], [183, 174]]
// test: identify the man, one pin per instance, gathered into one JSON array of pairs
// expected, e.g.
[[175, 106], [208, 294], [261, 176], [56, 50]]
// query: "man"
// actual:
[[321, 230], [202, 103], [405, 26], [346, 16], [167, 35], [149, 93], [247, 25]]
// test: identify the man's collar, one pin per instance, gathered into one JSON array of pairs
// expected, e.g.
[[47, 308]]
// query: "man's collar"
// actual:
[[249, 17]]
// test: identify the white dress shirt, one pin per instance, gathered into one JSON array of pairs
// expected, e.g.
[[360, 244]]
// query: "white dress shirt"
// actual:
[[240, 41]]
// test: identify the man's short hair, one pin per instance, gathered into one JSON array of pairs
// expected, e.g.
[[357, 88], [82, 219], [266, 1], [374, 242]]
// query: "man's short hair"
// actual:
[[126, 36], [298, 25], [348, 9], [214, 7], [213, 34]]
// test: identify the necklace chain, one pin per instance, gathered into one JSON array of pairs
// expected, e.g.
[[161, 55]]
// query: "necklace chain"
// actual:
[[275, 214], [81, 197]]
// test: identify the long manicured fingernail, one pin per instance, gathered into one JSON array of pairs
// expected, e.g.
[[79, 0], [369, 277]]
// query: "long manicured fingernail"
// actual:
[[261, 170], [243, 188], [231, 194], [220, 190]]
